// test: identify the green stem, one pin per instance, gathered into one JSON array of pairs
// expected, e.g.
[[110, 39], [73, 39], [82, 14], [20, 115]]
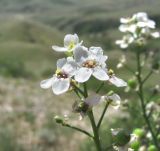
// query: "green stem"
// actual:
[[95, 131], [78, 129], [100, 87], [77, 93], [143, 106], [102, 116], [79, 90], [85, 90], [148, 75]]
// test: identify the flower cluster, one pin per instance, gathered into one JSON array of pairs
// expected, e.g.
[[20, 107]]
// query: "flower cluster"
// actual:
[[137, 29], [81, 63]]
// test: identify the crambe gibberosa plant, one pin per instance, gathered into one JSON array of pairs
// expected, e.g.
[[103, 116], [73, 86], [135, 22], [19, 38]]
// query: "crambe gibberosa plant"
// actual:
[[138, 30], [73, 74]]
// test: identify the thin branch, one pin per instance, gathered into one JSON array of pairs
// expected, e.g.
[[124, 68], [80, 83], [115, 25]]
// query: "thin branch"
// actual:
[[148, 75], [141, 96], [102, 116], [77, 93], [100, 87], [95, 131], [78, 129], [85, 90], [79, 90]]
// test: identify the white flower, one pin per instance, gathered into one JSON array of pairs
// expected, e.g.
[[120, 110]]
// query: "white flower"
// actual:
[[116, 81], [114, 100], [143, 20], [70, 42], [90, 62], [125, 42], [60, 82], [138, 29]]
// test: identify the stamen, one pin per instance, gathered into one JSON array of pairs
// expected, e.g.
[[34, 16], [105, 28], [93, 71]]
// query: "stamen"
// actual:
[[61, 74], [90, 64]]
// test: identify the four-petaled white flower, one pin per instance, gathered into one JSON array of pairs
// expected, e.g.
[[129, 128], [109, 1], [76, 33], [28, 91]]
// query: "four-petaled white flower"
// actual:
[[90, 62], [70, 42], [60, 82]]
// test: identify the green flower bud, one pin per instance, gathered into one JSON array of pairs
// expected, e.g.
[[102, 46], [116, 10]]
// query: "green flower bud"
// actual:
[[58, 119], [121, 138], [135, 145], [139, 132], [152, 148], [132, 83]]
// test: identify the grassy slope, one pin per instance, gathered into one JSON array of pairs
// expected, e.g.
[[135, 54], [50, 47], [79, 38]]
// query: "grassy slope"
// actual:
[[27, 39]]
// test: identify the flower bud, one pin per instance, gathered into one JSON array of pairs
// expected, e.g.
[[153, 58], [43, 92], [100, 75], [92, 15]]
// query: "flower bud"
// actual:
[[135, 145], [132, 83], [58, 119], [120, 137], [139, 132], [152, 148]]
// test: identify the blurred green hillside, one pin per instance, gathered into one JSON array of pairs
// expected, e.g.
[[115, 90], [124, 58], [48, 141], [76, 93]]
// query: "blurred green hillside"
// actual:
[[28, 29]]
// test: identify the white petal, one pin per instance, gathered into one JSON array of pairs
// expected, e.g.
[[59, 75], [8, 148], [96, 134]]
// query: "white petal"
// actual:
[[83, 75], [132, 28], [61, 62], [68, 39], [45, 84], [123, 28], [125, 20], [102, 61], [59, 49], [141, 16], [93, 100], [96, 50], [118, 82], [80, 53], [70, 68], [118, 42], [141, 24], [124, 45], [60, 86], [155, 35], [100, 74], [116, 101], [151, 24]]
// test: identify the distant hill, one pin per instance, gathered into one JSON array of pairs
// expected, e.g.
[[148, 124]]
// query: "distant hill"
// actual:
[[70, 15]]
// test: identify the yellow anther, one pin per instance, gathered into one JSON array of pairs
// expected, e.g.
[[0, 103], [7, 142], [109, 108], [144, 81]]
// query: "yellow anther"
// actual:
[[110, 72], [58, 71], [89, 64], [71, 46]]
